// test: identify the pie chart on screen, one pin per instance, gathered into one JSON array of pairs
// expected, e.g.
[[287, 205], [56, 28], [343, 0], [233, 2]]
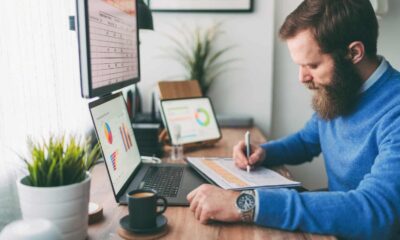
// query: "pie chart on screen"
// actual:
[[107, 132], [202, 117]]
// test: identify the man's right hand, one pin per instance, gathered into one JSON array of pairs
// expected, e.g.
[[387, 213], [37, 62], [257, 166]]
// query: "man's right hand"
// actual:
[[257, 155]]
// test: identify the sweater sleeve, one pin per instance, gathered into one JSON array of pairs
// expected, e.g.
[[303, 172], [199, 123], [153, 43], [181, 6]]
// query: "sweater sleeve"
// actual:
[[371, 211], [297, 148]]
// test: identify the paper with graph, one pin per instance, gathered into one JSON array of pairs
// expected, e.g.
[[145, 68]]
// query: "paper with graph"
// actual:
[[224, 173]]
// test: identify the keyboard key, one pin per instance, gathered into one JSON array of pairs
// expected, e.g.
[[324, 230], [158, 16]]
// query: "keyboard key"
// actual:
[[164, 180]]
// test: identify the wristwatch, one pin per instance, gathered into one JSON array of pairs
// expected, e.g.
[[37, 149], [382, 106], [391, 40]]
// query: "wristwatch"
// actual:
[[246, 203]]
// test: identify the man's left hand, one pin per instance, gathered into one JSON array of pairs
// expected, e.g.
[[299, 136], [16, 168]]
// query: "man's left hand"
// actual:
[[208, 202]]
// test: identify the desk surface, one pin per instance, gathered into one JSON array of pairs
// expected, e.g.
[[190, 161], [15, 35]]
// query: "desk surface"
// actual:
[[181, 220]]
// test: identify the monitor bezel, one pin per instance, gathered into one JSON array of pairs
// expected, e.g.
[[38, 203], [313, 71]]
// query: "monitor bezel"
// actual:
[[87, 91]]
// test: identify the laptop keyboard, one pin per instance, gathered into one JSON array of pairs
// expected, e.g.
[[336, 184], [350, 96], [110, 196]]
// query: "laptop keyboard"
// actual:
[[165, 180]]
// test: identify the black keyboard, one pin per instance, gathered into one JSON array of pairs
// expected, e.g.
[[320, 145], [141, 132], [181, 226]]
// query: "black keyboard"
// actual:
[[165, 180]]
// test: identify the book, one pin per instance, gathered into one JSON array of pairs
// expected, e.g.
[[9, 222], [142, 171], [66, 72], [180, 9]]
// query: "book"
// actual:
[[224, 173]]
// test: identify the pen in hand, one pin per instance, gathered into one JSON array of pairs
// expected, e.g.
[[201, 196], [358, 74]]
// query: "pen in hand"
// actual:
[[247, 142]]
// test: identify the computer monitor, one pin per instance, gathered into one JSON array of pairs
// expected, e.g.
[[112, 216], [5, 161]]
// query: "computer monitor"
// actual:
[[190, 120], [108, 45]]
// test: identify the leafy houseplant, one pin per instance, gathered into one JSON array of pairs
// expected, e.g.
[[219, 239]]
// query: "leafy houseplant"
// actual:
[[199, 54], [57, 164], [57, 187]]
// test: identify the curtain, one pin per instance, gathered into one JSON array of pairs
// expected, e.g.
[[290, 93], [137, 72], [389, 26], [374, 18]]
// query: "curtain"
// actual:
[[39, 73], [39, 82]]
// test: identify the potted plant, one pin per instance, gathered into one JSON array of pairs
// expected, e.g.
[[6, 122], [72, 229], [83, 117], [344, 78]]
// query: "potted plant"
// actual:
[[199, 54], [57, 187]]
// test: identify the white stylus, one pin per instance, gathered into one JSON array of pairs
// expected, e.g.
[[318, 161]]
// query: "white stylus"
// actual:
[[247, 142]]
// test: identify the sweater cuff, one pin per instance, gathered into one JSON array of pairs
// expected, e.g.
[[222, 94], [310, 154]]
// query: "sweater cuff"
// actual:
[[272, 207], [257, 207]]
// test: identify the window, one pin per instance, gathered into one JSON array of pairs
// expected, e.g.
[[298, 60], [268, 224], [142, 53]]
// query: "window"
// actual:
[[40, 88]]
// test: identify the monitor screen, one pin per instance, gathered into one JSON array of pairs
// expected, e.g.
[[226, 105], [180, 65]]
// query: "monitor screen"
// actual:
[[108, 45], [115, 134], [190, 120]]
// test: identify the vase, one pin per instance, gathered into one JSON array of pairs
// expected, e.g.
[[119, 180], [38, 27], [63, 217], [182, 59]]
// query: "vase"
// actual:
[[65, 206]]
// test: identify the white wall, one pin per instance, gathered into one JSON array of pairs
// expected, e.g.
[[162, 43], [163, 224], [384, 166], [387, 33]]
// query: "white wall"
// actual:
[[389, 34], [244, 90], [292, 101]]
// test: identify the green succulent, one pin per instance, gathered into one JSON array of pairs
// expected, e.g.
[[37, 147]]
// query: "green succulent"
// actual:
[[199, 55], [58, 163]]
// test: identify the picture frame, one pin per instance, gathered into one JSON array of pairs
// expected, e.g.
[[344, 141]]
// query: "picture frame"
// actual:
[[201, 5]]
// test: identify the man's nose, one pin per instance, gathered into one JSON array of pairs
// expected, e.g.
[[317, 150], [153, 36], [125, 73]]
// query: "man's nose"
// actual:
[[304, 75]]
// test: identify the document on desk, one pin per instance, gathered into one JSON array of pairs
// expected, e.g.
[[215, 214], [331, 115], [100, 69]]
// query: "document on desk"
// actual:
[[224, 173]]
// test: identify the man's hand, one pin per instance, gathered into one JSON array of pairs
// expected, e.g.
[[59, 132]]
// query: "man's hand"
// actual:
[[256, 157], [208, 202]]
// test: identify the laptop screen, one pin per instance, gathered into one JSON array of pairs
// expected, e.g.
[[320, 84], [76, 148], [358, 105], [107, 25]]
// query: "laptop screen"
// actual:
[[190, 120], [116, 137]]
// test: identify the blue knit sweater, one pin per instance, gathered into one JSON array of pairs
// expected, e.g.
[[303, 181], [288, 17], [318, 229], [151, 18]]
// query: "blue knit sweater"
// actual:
[[362, 158]]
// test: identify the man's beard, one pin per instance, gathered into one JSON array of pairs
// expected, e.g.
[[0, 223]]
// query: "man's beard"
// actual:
[[339, 98]]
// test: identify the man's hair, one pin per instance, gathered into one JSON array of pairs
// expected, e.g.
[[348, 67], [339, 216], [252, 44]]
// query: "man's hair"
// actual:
[[335, 24]]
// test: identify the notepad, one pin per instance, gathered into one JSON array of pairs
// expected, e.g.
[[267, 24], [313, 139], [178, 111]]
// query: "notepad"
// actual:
[[224, 173]]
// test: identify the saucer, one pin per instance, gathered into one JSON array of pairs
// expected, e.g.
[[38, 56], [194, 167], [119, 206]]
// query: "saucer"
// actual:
[[161, 222]]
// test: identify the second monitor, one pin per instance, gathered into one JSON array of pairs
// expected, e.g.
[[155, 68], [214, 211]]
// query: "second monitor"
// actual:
[[190, 120], [108, 45]]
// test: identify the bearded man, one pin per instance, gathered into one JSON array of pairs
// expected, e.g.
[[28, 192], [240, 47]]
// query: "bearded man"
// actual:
[[356, 126]]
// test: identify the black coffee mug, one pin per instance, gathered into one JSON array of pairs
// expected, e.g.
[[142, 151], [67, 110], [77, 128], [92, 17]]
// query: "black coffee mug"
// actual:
[[142, 205]]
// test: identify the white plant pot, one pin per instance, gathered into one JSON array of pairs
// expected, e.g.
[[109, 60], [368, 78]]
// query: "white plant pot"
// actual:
[[65, 206]]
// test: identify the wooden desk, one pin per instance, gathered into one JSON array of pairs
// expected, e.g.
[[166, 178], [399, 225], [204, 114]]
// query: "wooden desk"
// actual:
[[181, 220]]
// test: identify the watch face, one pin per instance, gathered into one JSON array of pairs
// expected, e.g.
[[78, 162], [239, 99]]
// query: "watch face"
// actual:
[[246, 202]]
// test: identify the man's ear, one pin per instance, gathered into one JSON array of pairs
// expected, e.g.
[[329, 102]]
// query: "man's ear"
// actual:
[[356, 52]]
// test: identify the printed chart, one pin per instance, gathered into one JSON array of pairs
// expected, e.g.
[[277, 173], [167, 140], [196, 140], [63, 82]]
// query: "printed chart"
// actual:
[[226, 175]]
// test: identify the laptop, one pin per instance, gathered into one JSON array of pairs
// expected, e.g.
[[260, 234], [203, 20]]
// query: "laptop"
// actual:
[[123, 162], [190, 120]]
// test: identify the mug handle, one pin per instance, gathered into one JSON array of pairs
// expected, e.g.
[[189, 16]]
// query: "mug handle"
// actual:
[[164, 205]]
